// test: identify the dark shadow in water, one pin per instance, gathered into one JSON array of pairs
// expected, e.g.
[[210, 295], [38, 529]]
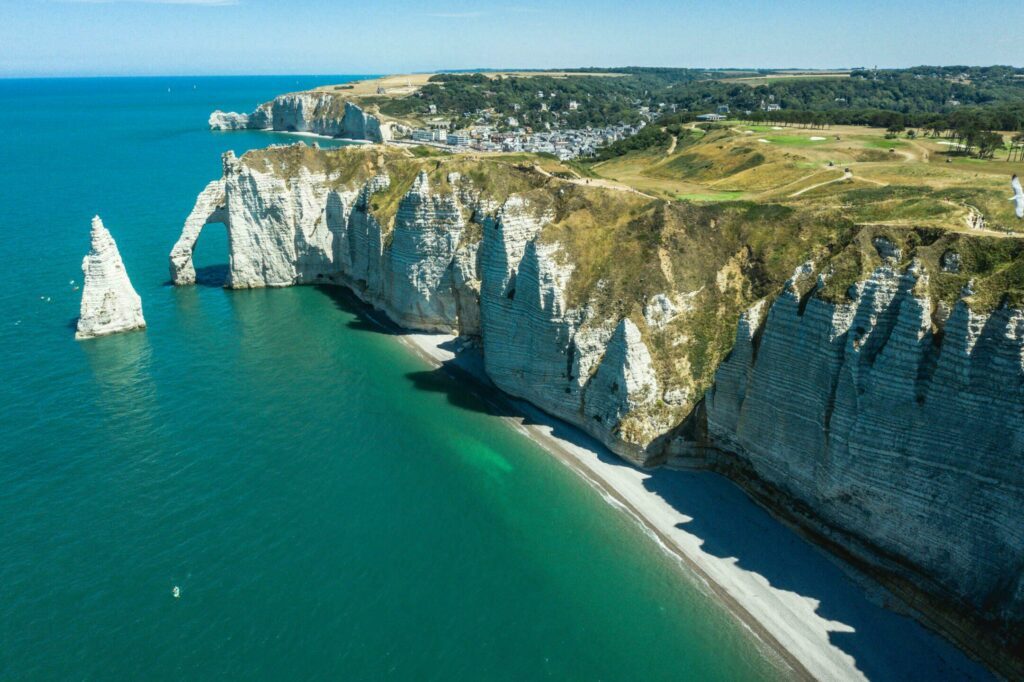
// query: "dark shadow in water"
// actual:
[[441, 380], [463, 390], [885, 645], [212, 275], [366, 317]]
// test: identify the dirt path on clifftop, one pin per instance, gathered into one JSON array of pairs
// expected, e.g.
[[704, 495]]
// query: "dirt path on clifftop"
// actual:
[[595, 182]]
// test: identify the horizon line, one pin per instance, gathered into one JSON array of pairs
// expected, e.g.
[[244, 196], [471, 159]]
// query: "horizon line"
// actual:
[[70, 76]]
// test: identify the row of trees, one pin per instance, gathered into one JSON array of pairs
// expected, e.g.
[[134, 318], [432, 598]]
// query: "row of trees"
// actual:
[[1008, 117], [910, 97]]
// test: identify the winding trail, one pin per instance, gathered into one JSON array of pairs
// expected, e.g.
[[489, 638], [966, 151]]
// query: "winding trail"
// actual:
[[846, 176], [595, 182]]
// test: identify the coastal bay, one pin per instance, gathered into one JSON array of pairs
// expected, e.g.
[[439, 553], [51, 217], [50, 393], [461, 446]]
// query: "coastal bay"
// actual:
[[323, 508]]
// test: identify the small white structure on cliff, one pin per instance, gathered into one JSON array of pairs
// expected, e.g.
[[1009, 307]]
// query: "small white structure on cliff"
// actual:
[[109, 302]]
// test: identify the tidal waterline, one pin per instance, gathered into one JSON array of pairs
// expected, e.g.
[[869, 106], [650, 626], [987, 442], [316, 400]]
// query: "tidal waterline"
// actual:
[[328, 504]]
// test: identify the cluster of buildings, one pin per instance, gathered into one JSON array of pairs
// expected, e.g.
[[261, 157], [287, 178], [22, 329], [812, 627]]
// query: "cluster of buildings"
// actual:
[[563, 143]]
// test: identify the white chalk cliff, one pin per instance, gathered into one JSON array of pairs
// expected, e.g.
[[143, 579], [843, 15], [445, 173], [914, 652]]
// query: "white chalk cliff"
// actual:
[[904, 448], [900, 444], [316, 112], [109, 302]]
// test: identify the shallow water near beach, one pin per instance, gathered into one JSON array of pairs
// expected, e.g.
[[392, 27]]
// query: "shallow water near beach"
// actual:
[[327, 504]]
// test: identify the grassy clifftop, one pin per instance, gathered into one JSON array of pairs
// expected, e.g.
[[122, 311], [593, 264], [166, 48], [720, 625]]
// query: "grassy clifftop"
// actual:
[[711, 260], [922, 181]]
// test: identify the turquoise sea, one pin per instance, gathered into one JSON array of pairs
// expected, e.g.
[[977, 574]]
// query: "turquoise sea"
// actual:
[[329, 506]]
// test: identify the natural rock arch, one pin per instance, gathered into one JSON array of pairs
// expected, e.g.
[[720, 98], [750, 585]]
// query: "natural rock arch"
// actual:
[[210, 207]]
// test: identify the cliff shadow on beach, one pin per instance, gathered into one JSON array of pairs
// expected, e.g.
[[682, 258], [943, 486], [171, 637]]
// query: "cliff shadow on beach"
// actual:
[[885, 645], [729, 524]]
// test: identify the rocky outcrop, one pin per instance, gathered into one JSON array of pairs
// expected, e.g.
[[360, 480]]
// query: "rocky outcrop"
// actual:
[[209, 208], [506, 286], [905, 443], [313, 112], [109, 302], [229, 120]]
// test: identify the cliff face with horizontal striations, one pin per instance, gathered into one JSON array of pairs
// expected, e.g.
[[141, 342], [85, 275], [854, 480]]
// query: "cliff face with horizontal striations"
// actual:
[[867, 396], [909, 447], [306, 112]]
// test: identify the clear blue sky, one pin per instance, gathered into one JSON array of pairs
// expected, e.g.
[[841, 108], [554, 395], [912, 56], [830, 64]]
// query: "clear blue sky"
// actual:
[[125, 37]]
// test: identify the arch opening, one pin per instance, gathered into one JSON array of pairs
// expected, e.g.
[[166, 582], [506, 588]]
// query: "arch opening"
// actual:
[[210, 207]]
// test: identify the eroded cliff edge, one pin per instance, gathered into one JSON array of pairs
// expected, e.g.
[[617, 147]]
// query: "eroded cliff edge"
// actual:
[[867, 381], [315, 112]]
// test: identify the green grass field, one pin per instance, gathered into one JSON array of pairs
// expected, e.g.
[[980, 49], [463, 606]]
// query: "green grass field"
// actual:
[[710, 196], [882, 143], [796, 140]]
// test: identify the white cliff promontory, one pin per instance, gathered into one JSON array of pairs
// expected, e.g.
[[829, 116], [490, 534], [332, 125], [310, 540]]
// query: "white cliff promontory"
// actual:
[[307, 112], [886, 423], [109, 302]]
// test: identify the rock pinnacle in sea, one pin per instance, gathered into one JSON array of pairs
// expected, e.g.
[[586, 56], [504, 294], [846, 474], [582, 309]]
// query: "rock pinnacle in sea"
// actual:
[[109, 302]]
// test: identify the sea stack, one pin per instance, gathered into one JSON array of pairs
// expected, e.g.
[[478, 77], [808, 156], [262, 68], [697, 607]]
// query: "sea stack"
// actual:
[[109, 302]]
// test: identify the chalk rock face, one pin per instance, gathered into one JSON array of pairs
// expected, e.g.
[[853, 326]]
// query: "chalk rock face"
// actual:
[[109, 303], [908, 446], [305, 229], [659, 311], [508, 287], [228, 120], [466, 286], [314, 112], [209, 208], [560, 358], [624, 384], [426, 234]]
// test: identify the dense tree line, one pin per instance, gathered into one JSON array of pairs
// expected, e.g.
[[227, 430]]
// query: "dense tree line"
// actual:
[[963, 103]]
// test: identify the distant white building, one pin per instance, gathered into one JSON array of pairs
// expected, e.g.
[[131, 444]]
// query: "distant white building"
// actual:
[[459, 138], [711, 117], [573, 105], [432, 108]]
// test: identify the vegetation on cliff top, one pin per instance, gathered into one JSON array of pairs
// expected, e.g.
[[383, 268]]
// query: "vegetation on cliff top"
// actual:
[[713, 260]]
